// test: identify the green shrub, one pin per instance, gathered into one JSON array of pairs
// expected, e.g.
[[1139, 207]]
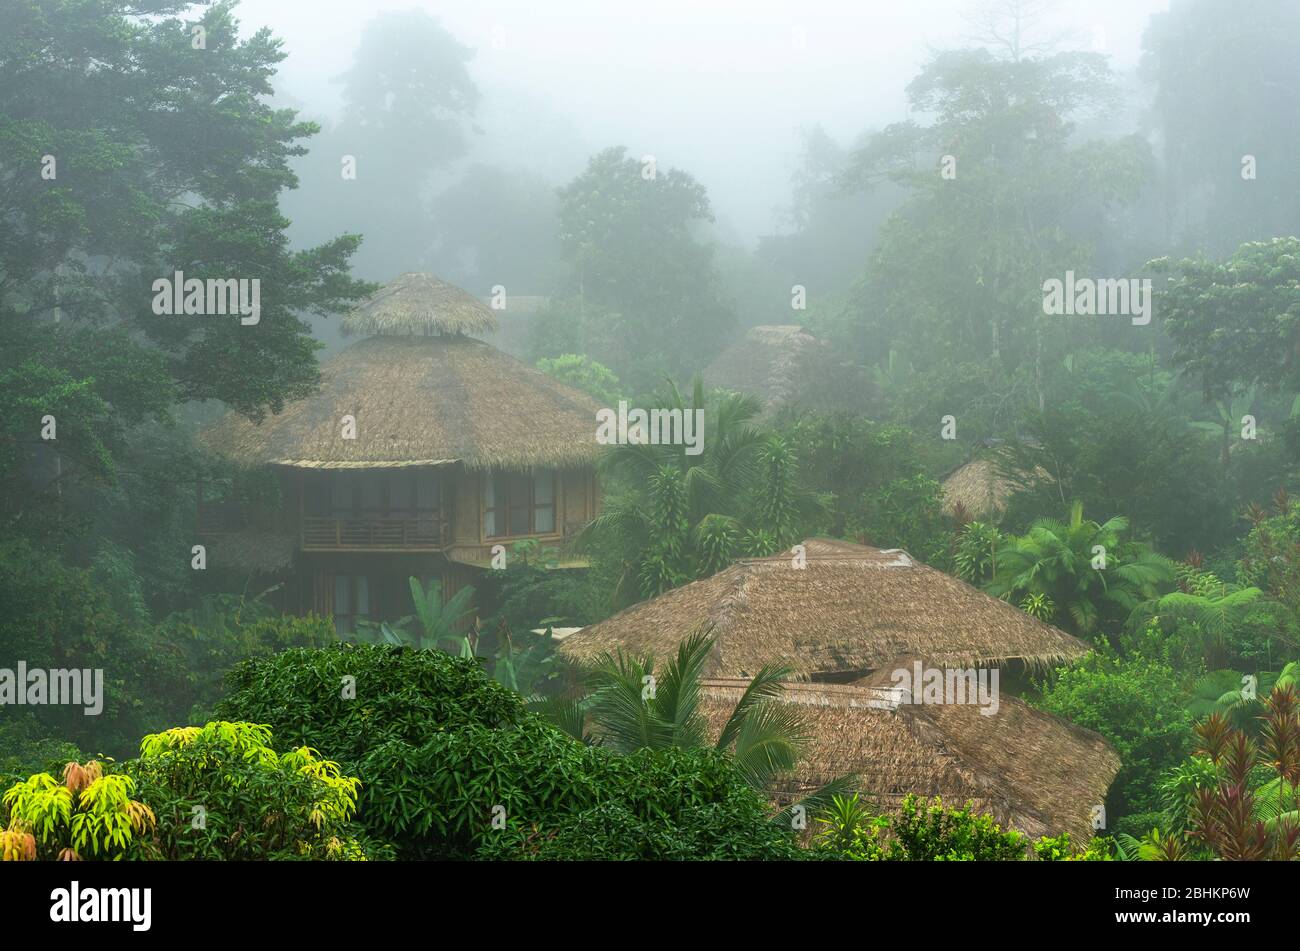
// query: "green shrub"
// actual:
[[220, 792], [400, 694], [437, 744], [1060, 849], [1139, 706], [670, 804], [440, 799], [89, 814], [920, 831]]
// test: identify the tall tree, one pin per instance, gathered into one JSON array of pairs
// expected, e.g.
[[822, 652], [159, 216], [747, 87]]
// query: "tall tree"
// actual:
[[136, 143], [408, 102], [1223, 74], [1001, 198], [644, 288]]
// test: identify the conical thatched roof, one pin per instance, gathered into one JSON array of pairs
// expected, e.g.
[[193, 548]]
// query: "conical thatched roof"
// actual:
[[414, 304], [422, 401], [852, 608], [1029, 769]]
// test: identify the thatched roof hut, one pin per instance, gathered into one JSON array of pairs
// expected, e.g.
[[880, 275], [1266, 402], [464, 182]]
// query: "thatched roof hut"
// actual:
[[853, 608], [415, 303], [784, 363], [422, 400], [1027, 768], [982, 487]]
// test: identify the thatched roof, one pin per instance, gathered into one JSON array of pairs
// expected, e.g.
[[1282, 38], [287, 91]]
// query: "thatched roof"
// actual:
[[852, 608], [779, 363], [422, 401], [1027, 768], [413, 304], [982, 487]]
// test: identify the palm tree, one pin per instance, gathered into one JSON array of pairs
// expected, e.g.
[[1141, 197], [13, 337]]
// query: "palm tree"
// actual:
[[1083, 570], [629, 707], [673, 517]]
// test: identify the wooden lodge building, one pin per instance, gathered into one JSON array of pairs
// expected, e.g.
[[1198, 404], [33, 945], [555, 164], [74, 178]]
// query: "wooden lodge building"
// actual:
[[422, 450]]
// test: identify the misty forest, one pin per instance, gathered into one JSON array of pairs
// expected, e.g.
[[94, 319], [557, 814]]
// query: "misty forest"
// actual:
[[822, 435]]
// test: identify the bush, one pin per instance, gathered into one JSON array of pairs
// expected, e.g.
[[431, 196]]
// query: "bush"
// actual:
[[437, 745], [1060, 849], [221, 792], [670, 804], [920, 831], [90, 814], [348, 700], [1136, 704], [212, 792]]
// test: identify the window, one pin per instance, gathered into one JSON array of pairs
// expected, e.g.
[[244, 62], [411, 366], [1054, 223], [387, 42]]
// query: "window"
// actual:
[[401, 491], [342, 485], [351, 601], [373, 493], [518, 504]]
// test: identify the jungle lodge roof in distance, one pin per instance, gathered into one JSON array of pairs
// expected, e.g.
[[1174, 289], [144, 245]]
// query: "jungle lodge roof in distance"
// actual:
[[413, 304], [852, 608], [1027, 768], [421, 400]]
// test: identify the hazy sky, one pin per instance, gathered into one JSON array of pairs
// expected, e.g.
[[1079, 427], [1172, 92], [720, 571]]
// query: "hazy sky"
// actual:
[[718, 87]]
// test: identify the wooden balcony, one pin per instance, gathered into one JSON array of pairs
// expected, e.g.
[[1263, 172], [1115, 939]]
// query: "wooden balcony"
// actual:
[[374, 533]]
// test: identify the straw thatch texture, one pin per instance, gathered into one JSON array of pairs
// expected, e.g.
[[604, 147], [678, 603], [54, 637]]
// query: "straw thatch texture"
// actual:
[[783, 363], [1027, 768], [419, 304], [853, 608], [982, 489], [422, 401]]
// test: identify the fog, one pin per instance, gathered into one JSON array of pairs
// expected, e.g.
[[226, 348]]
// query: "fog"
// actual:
[[720, 88], [495, 361]]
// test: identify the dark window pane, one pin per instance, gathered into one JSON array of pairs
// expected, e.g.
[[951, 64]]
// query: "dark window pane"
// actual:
[[544, 518], [426, 492], [341, 491], [371, 491], [400, 491]]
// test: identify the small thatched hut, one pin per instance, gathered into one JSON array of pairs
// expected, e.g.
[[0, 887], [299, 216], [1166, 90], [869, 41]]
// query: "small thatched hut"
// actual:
[[847, 612], [981, 488], [784, 364], [422, 450], [1030, 770]]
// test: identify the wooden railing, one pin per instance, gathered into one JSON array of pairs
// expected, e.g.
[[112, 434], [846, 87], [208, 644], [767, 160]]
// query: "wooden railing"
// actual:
[[419, 532]]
